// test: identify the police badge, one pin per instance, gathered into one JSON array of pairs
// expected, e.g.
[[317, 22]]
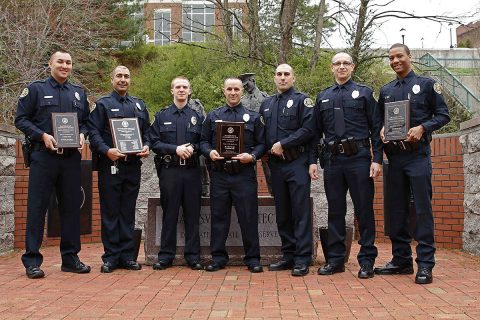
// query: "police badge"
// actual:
[[246, 117], [355, 94], [193, 120], [416, 89], [138, 106], [289, 103], [308, 103], [77, 95]]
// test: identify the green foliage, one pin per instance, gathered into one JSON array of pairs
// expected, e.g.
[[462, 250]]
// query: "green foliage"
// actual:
[[465, 44]]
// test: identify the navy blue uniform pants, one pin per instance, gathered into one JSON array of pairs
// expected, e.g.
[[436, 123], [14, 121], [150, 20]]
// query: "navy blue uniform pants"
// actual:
[[342, 174], [411, 173], [180, 187], [118, 196], [240, 190], [49, 171], [291, 191]]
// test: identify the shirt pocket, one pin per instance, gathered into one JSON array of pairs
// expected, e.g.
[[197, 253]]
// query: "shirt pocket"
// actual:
[[194, 133], [288, 118], [113, 112], [168, 132], [326, 111]]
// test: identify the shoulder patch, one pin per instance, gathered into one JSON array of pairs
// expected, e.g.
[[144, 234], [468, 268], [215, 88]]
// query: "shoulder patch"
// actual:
[[308, 103], [437, 87], [24, 93]]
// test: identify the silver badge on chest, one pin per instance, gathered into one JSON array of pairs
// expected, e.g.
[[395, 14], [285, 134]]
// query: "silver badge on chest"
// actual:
[[416, 89], [193, 120], [289, 103], [77, 95], [246, 117], [355, 94], [138, 106]]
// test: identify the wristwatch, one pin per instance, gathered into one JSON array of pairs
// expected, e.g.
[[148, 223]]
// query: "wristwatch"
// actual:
[[254, 158]]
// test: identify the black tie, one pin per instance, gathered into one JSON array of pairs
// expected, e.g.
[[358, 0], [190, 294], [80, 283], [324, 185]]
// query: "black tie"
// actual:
[[181, 128], [62, 93], [339, 118], [274, 123], [404, 86]]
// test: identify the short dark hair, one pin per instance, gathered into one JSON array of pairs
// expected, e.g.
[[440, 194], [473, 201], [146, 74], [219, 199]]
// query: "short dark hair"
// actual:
[[60, 51], [400, 45]]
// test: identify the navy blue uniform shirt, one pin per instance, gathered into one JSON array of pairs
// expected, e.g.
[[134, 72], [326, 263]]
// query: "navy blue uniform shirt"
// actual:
[[254, 129], [116, 106], [294, 124], [41, 98], [358, 109], [163, 133], [427, 106]]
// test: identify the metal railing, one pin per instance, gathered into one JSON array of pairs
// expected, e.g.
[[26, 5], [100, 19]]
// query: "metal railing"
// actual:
[[428, 64]]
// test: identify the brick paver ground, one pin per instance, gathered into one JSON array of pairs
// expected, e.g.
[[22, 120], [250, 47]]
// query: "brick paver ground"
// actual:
[[180, 293]]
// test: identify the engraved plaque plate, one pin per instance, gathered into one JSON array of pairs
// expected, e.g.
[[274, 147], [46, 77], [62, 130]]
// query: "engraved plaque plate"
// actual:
[[230, 138], [65, 130], [397, 120], [126, 135]]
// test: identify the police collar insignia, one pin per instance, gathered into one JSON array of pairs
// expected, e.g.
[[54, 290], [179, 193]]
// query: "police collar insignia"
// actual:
[[308, 102], [77, 95], [437, 87], [138, 106], [246, 117], [24, 93], [289, 103], [194, 120], [416, 89], [355, 94]]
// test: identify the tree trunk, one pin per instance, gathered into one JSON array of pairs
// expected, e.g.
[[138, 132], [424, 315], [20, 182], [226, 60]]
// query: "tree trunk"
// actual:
[[227, 27], [318, 35], [255, 52], [359, 31], [287, 19]]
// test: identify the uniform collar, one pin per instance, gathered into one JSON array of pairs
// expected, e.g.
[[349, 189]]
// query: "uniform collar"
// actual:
[[54, 83], [286, 93], [119, 98], [176, 109], [407, 78], [238, 108], [346, 85]]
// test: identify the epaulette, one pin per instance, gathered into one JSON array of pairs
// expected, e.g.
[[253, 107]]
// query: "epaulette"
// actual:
[[76, 85], [102, 97], [164, 108], [134, 97]]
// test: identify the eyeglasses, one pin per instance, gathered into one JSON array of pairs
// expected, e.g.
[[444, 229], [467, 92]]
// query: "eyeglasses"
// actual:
[[339, 63]]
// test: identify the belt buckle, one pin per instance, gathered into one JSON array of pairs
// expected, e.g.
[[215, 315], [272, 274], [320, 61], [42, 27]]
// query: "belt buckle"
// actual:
[[60, 151], [182, 162], [341, 149]]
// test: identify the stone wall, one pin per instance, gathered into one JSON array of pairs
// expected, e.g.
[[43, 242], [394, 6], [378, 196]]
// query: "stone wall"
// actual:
[[470, 141], [7, 187]]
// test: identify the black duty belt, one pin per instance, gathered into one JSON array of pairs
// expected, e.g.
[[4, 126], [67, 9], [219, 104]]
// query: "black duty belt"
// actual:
[[228, 166], [172, 160], [347, 147], [62, 152], [290, 154]]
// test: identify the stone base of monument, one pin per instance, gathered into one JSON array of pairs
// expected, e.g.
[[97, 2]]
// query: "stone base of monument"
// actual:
[[270, 243]]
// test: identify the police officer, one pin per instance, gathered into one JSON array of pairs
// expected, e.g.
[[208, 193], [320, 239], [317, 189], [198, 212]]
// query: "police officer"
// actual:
[[118, 173], [175, 138], [344, 116], [289, 129], [52, 168], [410, 166], [233, 180]]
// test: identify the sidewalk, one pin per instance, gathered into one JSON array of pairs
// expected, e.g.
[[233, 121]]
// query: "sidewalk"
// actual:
[[180, 293]]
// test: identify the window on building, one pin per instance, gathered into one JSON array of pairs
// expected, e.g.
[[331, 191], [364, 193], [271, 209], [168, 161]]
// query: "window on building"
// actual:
[[197, 19], [162, 25], [236, 22]]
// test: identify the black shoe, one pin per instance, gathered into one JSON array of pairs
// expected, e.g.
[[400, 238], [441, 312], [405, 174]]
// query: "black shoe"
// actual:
[[34, 272], [391, 268], [280, 265], [107, 267], [366, 271], [195, 265], [131, 265], [162, 265], [214, 267], [255, 268], [300, 270], [424, 276], [330, 269], [79, 267]]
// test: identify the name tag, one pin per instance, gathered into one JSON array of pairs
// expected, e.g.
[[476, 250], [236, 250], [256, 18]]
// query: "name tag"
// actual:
[[218, 120], [115, 109], [167, 123], [266, 109], [326, 100], [48, 97]]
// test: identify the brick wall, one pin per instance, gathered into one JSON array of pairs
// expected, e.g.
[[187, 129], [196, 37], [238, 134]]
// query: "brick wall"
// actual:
[[21, 192], [447, 180]]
